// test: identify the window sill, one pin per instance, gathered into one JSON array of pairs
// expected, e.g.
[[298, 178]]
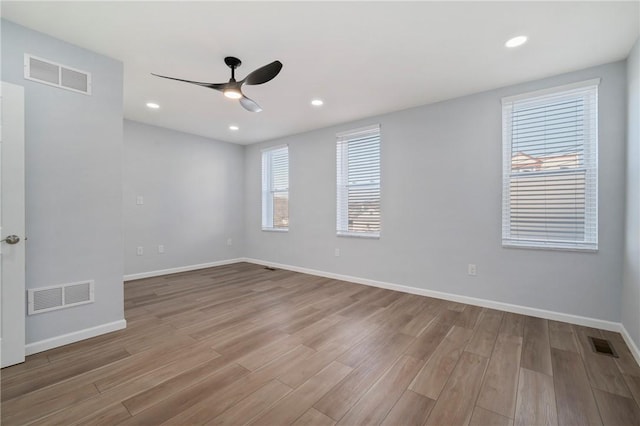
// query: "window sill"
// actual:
[[357, 235], [549, 248], [275, 229]]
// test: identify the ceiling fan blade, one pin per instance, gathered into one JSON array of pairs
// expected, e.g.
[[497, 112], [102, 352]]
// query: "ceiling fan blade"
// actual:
[[263, 74], [216, 86], [249, 105]]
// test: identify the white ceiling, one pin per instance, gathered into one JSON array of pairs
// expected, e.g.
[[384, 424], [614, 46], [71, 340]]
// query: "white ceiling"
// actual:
[[361, 58]]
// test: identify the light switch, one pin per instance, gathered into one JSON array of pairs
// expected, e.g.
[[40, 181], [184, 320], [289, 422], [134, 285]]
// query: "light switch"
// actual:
[[139, 200]]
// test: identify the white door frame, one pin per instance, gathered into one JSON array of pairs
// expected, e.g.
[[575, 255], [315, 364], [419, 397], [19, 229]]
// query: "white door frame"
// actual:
[[12, 222]]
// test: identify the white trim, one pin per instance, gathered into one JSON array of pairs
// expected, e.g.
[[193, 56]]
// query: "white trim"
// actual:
[[587, 240], [270, 174], [150, 274], [518, 309], [87, 333], [371, 138], [630, 343], [75, 336], [518, 245], [366, 235], [360, 130], [551, 90], [274, 147]]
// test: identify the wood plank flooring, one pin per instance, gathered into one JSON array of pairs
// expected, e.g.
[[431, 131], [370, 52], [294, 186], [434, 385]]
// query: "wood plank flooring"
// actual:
[[240, 344]]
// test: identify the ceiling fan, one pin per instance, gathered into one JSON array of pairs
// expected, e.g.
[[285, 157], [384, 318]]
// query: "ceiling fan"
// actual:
[[233, 89]]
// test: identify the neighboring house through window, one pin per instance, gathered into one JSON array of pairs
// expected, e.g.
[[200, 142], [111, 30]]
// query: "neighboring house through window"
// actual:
[[550, 168], [358, 179], [275, 189]]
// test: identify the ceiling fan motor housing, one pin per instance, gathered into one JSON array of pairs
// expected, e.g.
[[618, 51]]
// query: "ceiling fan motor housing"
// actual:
[[232, 62]]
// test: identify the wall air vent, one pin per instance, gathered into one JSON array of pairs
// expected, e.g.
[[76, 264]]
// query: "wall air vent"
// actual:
[[45, 299], [58, 75]]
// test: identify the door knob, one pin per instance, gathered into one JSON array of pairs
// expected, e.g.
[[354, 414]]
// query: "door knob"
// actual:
[[11, 239]]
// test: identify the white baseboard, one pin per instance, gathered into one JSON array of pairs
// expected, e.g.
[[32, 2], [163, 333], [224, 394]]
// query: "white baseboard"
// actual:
[[518, 309], [76, 336], [486, 303], [630, 343], [187, 268]]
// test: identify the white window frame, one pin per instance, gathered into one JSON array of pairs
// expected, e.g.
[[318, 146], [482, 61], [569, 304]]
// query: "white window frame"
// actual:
[[589, 90], [268, 191], [342, 184]]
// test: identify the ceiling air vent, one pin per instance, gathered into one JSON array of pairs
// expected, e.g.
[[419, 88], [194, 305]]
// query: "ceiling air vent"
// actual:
[[58, 75], [45, 299]]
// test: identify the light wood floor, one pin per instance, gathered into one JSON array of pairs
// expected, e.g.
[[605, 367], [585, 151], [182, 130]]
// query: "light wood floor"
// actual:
[[241, 344]]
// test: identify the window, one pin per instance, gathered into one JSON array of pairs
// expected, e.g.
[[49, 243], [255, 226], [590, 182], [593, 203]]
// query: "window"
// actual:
[[358, 166], [550, 168], [275, 189]]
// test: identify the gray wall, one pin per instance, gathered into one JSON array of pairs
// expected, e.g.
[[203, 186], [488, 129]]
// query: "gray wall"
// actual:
[[73, 180], [441, 198], [441, 206], [192, 192], [631, 285]]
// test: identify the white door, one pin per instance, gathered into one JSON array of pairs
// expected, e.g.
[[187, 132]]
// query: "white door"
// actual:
[[12, 227]]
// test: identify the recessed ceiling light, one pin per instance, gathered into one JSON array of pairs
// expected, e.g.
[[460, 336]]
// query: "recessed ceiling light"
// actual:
[[317, 102], [516, 41], [234, 128], [153, 105]]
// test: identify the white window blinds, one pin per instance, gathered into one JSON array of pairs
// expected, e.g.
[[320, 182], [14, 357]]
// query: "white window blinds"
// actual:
[[550, 168], [275, 188], [358, 179]]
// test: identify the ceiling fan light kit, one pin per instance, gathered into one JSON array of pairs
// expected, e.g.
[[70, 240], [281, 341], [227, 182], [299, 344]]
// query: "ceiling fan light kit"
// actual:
[[233, 89], [232, 93]]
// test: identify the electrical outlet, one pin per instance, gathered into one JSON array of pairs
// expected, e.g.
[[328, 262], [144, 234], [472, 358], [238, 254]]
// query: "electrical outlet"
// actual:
[[140, 251], [139, 200], [229, 241], [471, 269], [336, 252], [160, 249]]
